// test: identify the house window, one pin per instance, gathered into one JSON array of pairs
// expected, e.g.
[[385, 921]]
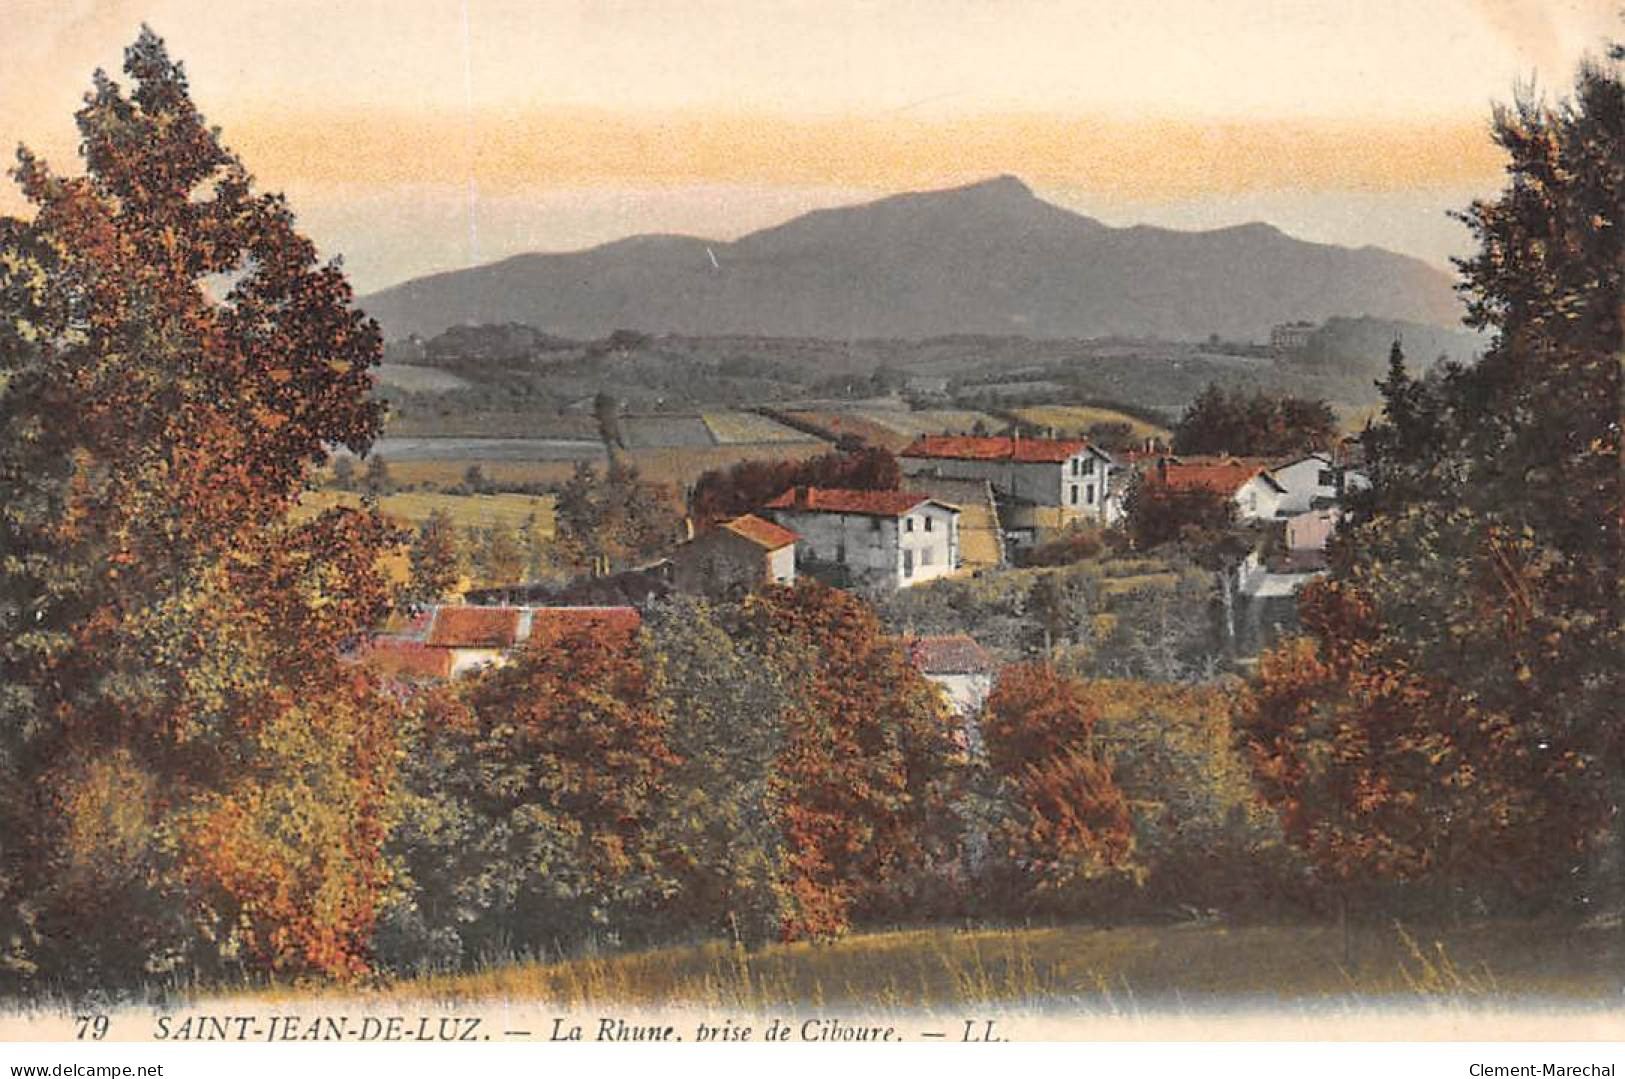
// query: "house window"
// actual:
[[1326, 478], [1074, 494], [925, 556], [908, 524], [1075, 466], [840, 553], [908, 563], [1089, 467], [928, 524], [874, 524], [1089, 494]]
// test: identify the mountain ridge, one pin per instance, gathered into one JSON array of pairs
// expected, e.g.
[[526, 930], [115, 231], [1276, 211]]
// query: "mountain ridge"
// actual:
[[983, 258]]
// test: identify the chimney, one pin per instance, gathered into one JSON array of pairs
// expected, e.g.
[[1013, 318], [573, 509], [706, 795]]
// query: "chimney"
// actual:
[[803, 497]]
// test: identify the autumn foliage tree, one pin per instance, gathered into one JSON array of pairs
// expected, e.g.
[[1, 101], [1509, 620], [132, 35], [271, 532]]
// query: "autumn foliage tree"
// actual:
[[536, 793], [861, 775], [1066, 822], [190, 779]]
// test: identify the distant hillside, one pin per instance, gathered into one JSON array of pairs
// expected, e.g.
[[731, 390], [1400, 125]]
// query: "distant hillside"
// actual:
[[991, 258], [1361, 344]]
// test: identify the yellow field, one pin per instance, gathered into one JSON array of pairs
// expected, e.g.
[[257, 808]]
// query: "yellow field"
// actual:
[[466, 511], [729, 428], [677, 468], [1074, 420]]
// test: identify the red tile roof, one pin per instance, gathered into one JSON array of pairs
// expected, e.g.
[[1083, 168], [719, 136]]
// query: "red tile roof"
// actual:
[[475, 627], [951, 654], [834, 500], [969, 448], [764, 534], [1225, 478], [401, 658], [551, 624]]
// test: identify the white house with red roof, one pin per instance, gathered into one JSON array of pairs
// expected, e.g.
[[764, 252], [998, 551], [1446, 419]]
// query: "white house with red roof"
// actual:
[[870, 539], [1064, 481], [1247, 482], [959, 665]]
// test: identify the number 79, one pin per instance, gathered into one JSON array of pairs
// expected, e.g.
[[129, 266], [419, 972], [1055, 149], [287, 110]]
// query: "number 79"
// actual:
[[93, 1025]]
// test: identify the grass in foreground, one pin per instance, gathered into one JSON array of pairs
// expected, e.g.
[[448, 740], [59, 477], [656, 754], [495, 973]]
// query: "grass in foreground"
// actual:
[[1141, 968]]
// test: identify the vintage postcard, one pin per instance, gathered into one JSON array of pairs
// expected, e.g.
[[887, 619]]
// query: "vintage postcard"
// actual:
[[834, 523]]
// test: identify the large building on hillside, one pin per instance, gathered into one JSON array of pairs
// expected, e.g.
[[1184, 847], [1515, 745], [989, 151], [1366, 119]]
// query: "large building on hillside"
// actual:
[[870, 539], [1044, 484]]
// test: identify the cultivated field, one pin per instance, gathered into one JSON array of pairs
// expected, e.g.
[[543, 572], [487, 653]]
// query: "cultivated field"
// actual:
[[732, 428], [1071, 421], [467, 511], [404, 376], [836, 424], [675, 467]]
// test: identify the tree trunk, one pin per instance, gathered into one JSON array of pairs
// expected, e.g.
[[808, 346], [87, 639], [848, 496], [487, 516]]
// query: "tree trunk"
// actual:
[[1343, 922]]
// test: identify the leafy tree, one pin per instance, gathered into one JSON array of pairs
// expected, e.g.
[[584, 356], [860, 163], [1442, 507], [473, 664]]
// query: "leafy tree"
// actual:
[[190, 779], [378, 481], [1204, 838], [1067, 822], [1265, 425], [1158, 514], [537, 800], [434, 558], [617, 516], [1061, 604], [501, 558], [608, 411], [726, 714], [1480, 586], [864, 770]]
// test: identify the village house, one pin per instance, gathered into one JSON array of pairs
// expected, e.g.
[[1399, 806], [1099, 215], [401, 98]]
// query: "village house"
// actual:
[[1313, 481], [1248, 483], [1311, 529], [449, 641], [870, 539], [964, 671], [735, 557], [959, 665], [1044, 484]]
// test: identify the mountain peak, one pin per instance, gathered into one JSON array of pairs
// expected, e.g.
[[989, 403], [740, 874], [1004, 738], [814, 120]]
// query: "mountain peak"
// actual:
[[988, 257], [1005, 184]]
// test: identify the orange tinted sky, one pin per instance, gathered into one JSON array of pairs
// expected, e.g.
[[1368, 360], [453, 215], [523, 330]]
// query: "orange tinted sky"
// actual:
[[415, 135]]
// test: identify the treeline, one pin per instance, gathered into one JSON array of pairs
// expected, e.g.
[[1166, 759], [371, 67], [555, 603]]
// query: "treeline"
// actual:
[[723, 493], [776, 769], [1259, 424]]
